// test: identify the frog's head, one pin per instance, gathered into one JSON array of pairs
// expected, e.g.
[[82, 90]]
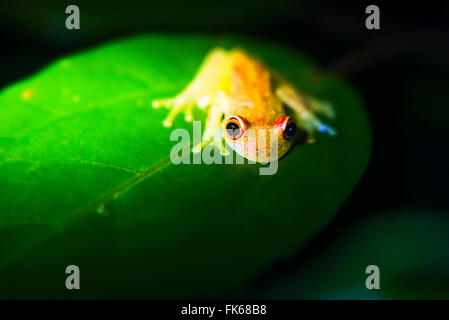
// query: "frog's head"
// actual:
[[258, 141]]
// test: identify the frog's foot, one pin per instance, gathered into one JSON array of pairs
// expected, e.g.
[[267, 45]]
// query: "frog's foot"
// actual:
[[212, 137], [183, 103], [213, 134], [312, 124], [176, 105], [305, 109]]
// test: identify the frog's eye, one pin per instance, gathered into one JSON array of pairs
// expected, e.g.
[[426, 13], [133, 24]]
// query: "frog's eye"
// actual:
[[290, 130], [287, 127], [235, 127]]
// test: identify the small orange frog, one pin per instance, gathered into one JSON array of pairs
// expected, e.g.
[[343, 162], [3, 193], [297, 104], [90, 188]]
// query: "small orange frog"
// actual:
[[243, 97]]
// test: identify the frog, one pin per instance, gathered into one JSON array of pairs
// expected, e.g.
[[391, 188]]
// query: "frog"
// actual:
[[245, 100]]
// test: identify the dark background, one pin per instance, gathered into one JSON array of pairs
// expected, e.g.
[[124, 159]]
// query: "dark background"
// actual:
[[401, 71]]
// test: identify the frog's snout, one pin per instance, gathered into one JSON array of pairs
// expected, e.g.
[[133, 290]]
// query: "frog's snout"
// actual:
[[260, 147], [271, 150]]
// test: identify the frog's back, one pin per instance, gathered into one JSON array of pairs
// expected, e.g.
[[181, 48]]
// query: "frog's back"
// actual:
[[250, 89]]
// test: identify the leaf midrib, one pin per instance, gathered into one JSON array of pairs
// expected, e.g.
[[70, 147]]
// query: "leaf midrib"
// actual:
[[114, 193]]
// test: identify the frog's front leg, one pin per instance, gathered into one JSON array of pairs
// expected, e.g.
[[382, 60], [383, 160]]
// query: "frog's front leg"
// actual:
[[211, 77], [305, 109], [213, 133]]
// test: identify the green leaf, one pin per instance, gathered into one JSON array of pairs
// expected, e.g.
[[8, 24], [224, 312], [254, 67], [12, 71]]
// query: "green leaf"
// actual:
[[408, 245], [86, 178]]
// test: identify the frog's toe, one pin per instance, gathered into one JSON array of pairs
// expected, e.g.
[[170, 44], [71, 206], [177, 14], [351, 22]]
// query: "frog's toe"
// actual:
[[168, 121], [167, 103], [200, 146], [224, 151], [188, 112], [217, 142], [197, 148], [203, 101], [324, 128]]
